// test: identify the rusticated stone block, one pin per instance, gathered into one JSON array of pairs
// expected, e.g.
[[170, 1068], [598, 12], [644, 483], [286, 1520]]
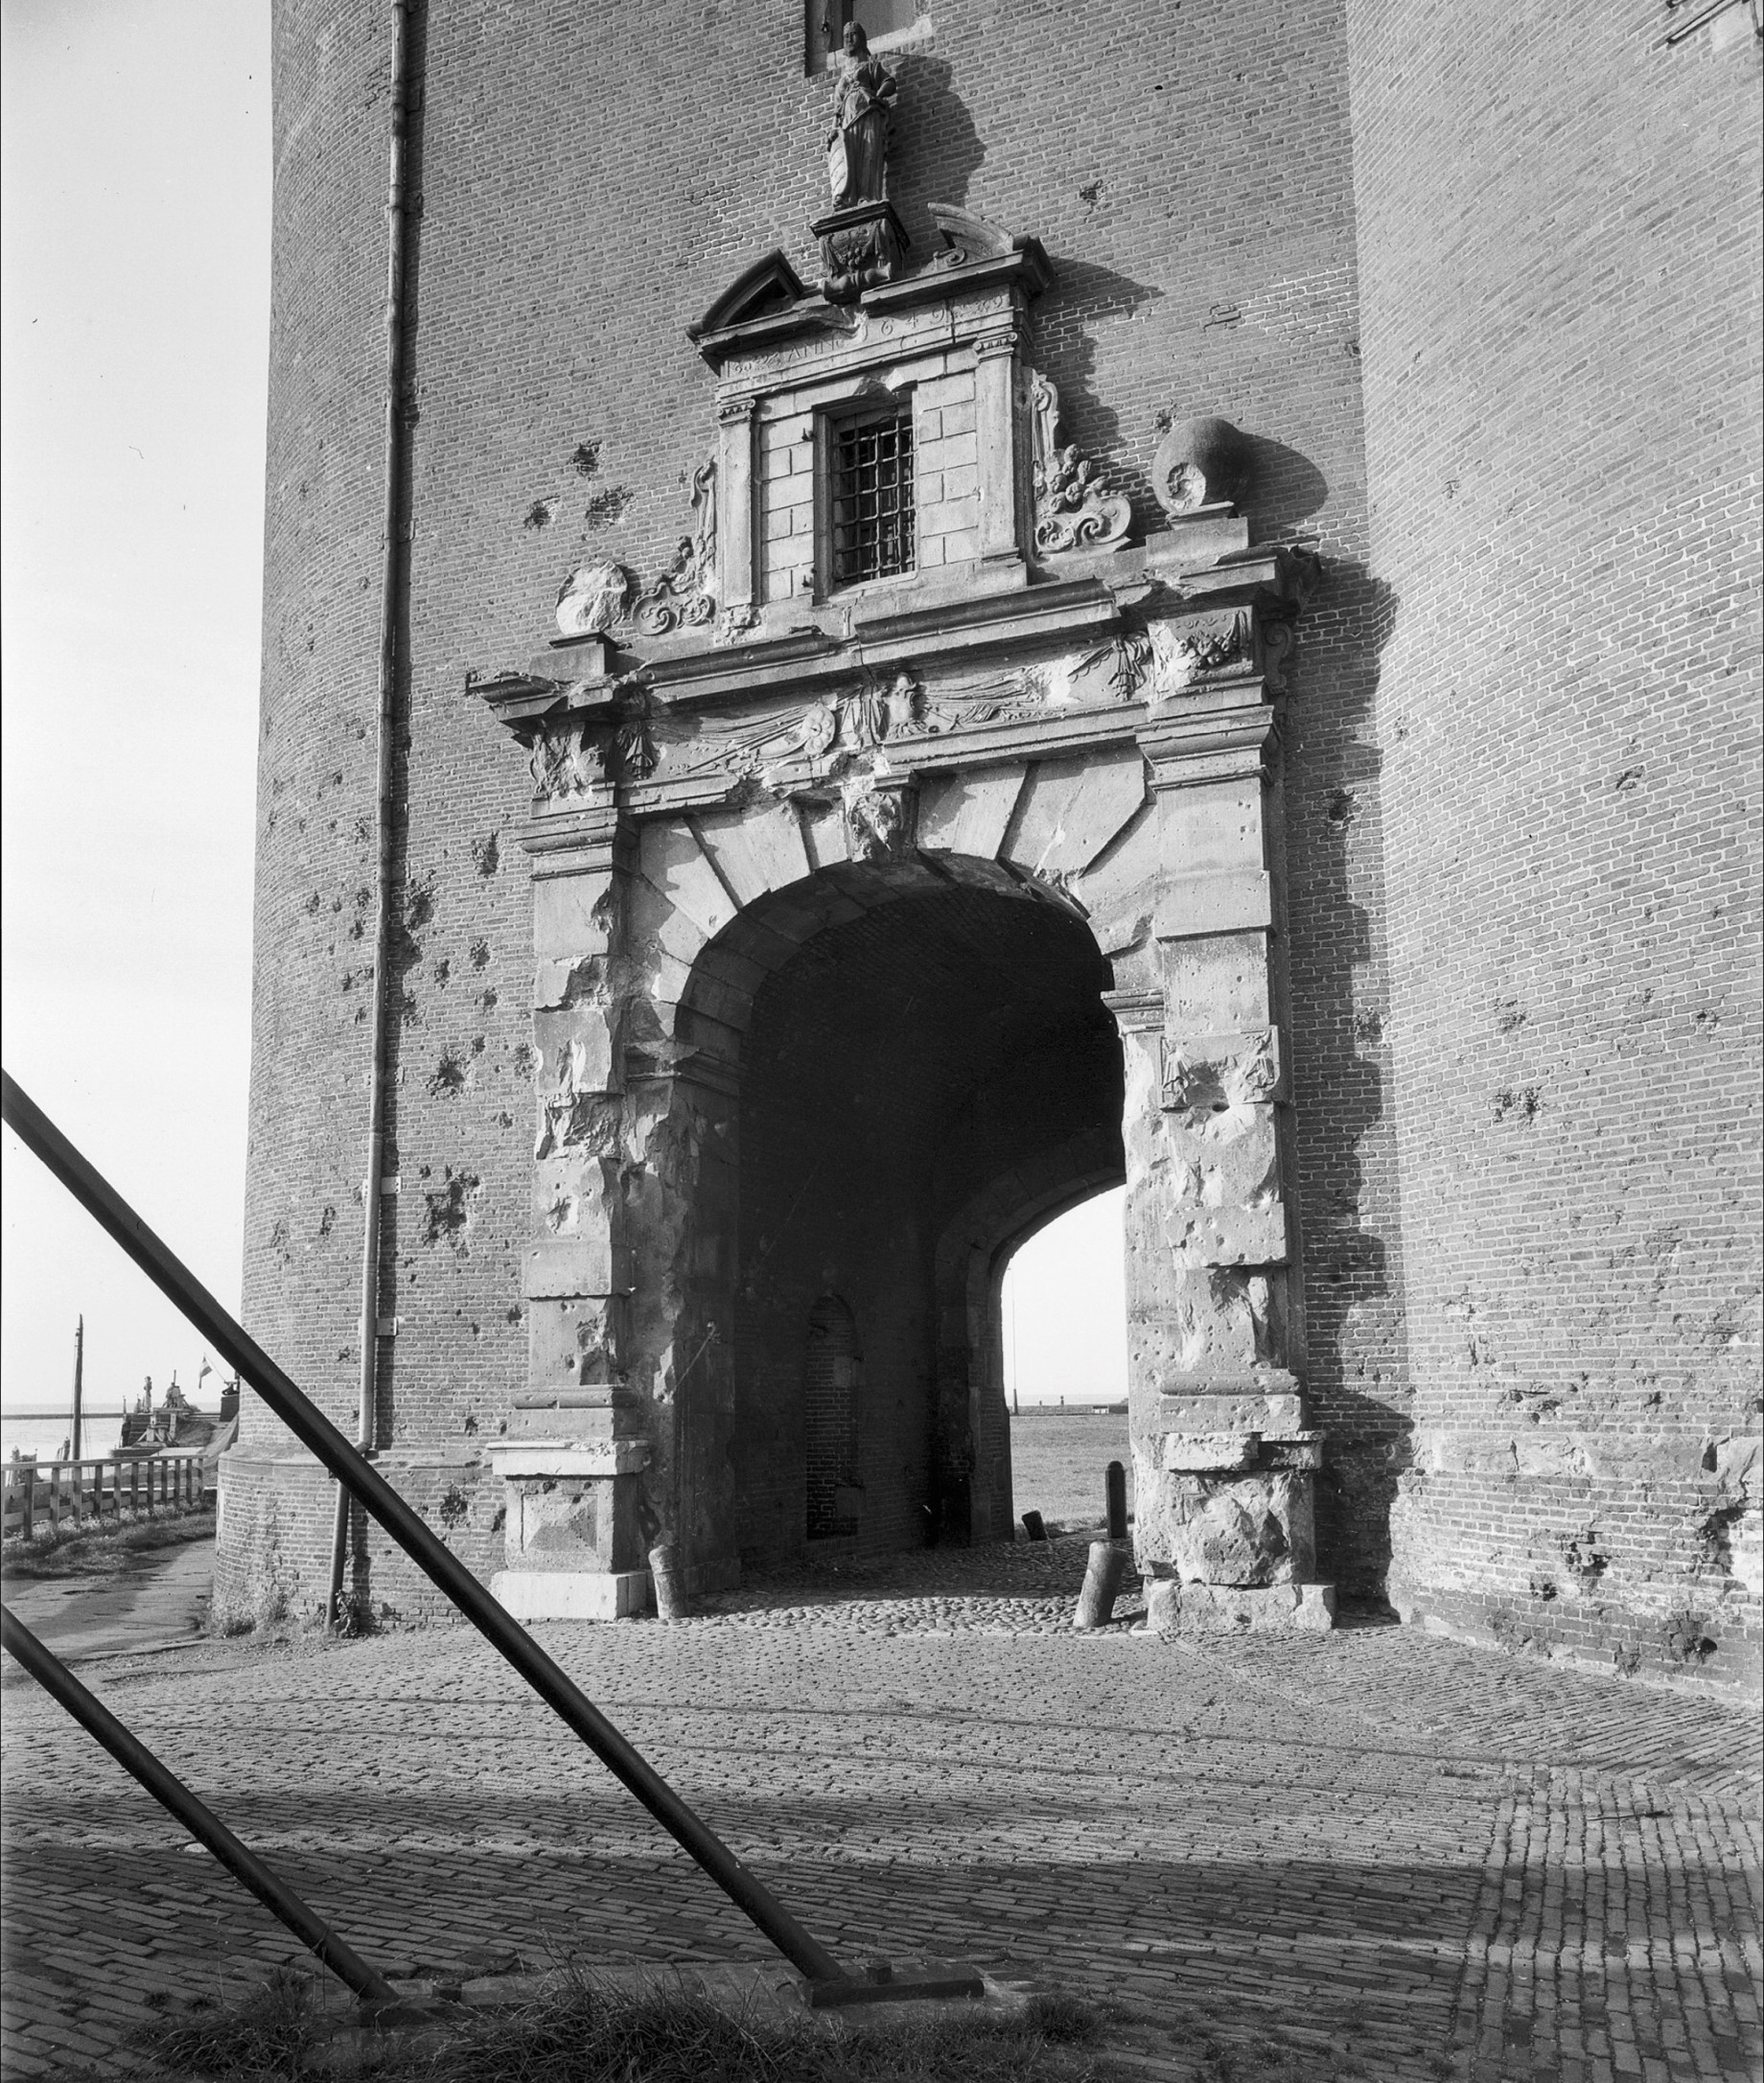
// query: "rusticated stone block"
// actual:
[[1173, 1608], [1303, 1451], [1227, 1529], [1228, 1235], [1185, 1454], [576, 1265], [1275, 1411], [1223, 1070], [574, 1340], [1222, 1321]]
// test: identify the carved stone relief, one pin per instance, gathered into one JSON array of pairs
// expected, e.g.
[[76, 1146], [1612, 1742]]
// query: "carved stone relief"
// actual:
[[602, 595], [880, 817], [1072, 511], [1183, 652], [564, 761]]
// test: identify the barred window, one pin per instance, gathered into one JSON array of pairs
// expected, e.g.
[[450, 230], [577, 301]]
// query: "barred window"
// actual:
[[869, 478]]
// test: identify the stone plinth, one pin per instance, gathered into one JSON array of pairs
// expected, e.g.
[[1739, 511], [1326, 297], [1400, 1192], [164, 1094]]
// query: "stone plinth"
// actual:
[[569, 1466], [1211, 1609]]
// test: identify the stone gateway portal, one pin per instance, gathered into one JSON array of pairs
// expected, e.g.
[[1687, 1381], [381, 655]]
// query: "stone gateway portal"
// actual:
[[1078, 642]]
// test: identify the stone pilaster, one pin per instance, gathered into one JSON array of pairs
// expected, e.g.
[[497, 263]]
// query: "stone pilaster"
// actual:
[[574, 1448], [1223, 1458]]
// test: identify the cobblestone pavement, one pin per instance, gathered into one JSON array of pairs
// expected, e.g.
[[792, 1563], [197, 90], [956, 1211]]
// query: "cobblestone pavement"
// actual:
[[1436, 1861]]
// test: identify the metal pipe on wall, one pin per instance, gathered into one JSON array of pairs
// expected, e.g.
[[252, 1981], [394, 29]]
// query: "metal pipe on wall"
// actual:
[[373, 1186]]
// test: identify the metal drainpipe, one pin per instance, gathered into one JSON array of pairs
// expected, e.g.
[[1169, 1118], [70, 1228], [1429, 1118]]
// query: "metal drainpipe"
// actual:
[[382, 790]]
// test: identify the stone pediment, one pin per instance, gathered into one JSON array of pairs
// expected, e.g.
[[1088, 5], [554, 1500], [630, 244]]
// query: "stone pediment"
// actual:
[[767, 289]]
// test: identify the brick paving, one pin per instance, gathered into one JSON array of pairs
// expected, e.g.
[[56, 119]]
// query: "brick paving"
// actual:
[[1436, 1861]]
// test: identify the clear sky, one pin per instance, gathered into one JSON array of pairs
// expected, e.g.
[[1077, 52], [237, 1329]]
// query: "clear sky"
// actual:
[[134, 296], [134, 266]]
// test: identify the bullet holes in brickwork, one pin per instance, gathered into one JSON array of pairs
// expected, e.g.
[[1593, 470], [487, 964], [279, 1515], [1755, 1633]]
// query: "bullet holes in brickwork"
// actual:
[[1716, 1537], [1090, 193], [1630, 778], [279, 1238], [446, 1208], [486, 854], [487, 1000], [1584, 1558], [608, 506], [449, 1075], [313, 905], [455, 1508], [1343, 809], [480, 954], [443, 970], [1369, 1028], [1687, 1638], [1509, 1015], [526, 1060], [327, 1221], [420, 904], [605, 506], [1523, 1105]]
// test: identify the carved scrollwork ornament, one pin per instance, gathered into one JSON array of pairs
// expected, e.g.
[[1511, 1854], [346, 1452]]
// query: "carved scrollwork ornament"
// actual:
[[685, 596], [1072, 512], [600, 597]]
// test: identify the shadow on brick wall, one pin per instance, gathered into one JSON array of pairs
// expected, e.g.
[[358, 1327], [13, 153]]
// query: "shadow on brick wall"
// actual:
[[935, 150], [1348, 1190], [1285, 488], [1081, 296]]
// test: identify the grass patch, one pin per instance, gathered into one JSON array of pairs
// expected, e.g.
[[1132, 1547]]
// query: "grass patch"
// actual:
[[281, 2034], [100, 1550]]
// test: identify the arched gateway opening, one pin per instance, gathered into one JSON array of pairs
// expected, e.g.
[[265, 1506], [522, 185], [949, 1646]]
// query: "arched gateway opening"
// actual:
[[925, 1073]]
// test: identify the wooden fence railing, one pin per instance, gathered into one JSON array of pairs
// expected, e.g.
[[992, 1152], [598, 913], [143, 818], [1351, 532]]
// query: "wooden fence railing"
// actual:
[[47, 1493]]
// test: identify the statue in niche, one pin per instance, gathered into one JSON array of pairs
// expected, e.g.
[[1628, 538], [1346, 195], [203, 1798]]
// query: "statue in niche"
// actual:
[[857, 151]]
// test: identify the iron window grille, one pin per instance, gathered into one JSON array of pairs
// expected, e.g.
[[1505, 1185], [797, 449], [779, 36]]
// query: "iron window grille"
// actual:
[[869, 476]]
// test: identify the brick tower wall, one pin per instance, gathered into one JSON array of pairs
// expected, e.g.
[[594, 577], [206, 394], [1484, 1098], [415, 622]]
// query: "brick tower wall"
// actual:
[[1558, 235], [587, 183]]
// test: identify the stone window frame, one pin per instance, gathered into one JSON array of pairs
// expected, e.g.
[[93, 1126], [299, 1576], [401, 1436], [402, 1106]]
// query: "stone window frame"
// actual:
[[902, 399]]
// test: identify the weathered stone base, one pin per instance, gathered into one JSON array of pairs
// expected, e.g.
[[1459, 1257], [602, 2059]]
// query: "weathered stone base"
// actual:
[[272, 1550], [1173, 1608], [572, 1594]]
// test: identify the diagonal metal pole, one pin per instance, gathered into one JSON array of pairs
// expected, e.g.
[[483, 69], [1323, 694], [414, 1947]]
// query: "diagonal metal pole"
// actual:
[[201, 1821], [506, 1636]]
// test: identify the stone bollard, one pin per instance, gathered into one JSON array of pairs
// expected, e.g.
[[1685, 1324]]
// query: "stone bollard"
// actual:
[[1034, 1526], [670, 1595], [1115, 1486], [1096, 1602]]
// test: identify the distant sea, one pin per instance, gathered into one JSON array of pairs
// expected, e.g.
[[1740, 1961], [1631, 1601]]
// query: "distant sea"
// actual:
[[101, 1432]]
